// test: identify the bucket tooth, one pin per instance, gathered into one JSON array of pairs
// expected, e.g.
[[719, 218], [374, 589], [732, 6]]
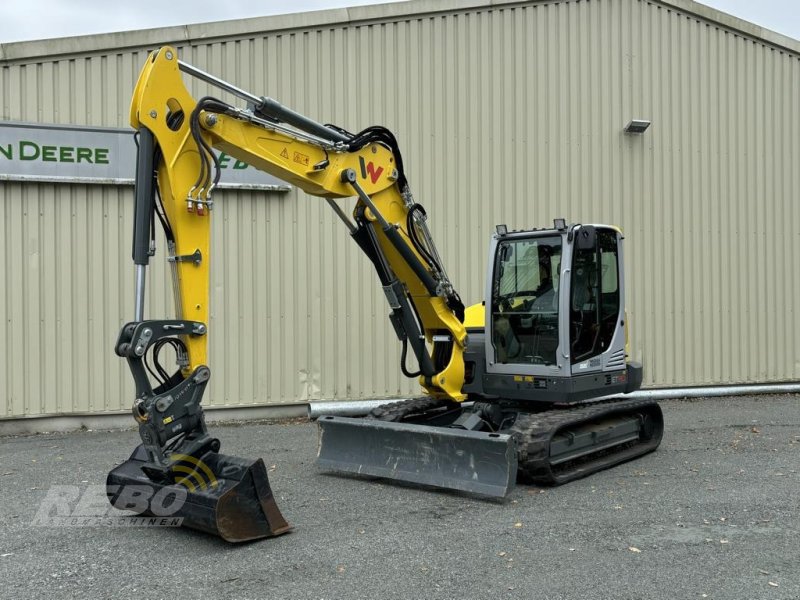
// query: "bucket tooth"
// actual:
[[470, 461], [223, 495]]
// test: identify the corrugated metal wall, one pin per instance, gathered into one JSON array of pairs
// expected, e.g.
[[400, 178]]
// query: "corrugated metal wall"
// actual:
[[508, 114]]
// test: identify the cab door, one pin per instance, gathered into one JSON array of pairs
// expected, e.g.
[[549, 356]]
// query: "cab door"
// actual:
[[596, 305]]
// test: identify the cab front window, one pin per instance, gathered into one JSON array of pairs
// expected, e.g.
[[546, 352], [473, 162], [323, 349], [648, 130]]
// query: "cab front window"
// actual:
[[524, 301]]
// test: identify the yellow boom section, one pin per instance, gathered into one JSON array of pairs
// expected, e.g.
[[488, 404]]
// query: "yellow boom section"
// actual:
[[162, 104]]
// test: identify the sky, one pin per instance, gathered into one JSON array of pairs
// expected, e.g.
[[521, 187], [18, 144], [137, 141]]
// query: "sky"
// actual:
[[40, 19]]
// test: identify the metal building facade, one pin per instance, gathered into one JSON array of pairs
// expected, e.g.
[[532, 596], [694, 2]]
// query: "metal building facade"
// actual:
[[507, 112]]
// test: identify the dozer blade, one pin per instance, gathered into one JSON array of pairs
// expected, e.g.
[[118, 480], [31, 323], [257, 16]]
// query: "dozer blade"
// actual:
[[470, 461], [222, 495]]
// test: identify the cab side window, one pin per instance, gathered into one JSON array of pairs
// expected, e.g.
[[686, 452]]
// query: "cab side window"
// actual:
[[594, 298]]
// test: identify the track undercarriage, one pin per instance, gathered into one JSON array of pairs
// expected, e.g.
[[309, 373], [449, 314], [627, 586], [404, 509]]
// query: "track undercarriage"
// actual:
[[483, 447]]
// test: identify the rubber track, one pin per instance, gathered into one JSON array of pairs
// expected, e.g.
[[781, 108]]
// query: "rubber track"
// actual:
[[533, 433]]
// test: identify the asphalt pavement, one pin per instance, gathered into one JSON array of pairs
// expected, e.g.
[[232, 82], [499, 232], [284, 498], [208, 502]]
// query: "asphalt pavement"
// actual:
[[712, 514]]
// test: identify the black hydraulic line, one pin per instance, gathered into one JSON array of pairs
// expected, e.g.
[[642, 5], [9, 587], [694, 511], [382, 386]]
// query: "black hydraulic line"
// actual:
[[162, 216], [454, 302], [341, 130], [204, 150], [194, 128], [406, 313], [412, 233], [144, 197], [403, 367], [214, 105]]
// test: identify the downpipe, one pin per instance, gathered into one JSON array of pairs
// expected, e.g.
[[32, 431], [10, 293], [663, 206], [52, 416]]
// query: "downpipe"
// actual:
[[350, 408], [714, 391], [359, 408]]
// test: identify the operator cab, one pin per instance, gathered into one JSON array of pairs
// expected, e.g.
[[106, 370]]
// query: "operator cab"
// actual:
[[555, 314]]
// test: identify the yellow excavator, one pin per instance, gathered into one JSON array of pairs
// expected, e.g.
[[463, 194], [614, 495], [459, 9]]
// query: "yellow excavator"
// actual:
[[529, 383]]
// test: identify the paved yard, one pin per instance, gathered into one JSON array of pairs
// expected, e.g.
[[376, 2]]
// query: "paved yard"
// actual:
[[712, 514]]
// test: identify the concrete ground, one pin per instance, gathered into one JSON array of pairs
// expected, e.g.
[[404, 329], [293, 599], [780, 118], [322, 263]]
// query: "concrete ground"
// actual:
[[712, 514]]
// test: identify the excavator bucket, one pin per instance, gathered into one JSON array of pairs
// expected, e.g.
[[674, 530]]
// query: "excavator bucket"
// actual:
[[470, 461], [222, 495]]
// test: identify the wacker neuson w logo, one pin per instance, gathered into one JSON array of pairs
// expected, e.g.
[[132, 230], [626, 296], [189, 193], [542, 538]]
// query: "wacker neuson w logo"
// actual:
[[89, 506]]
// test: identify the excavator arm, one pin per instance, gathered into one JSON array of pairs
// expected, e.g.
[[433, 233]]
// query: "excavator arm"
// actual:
[[177, 172], [324, 161]]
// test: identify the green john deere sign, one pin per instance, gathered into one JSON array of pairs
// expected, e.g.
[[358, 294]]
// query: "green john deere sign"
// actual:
[[27, 150], [75, 154]]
